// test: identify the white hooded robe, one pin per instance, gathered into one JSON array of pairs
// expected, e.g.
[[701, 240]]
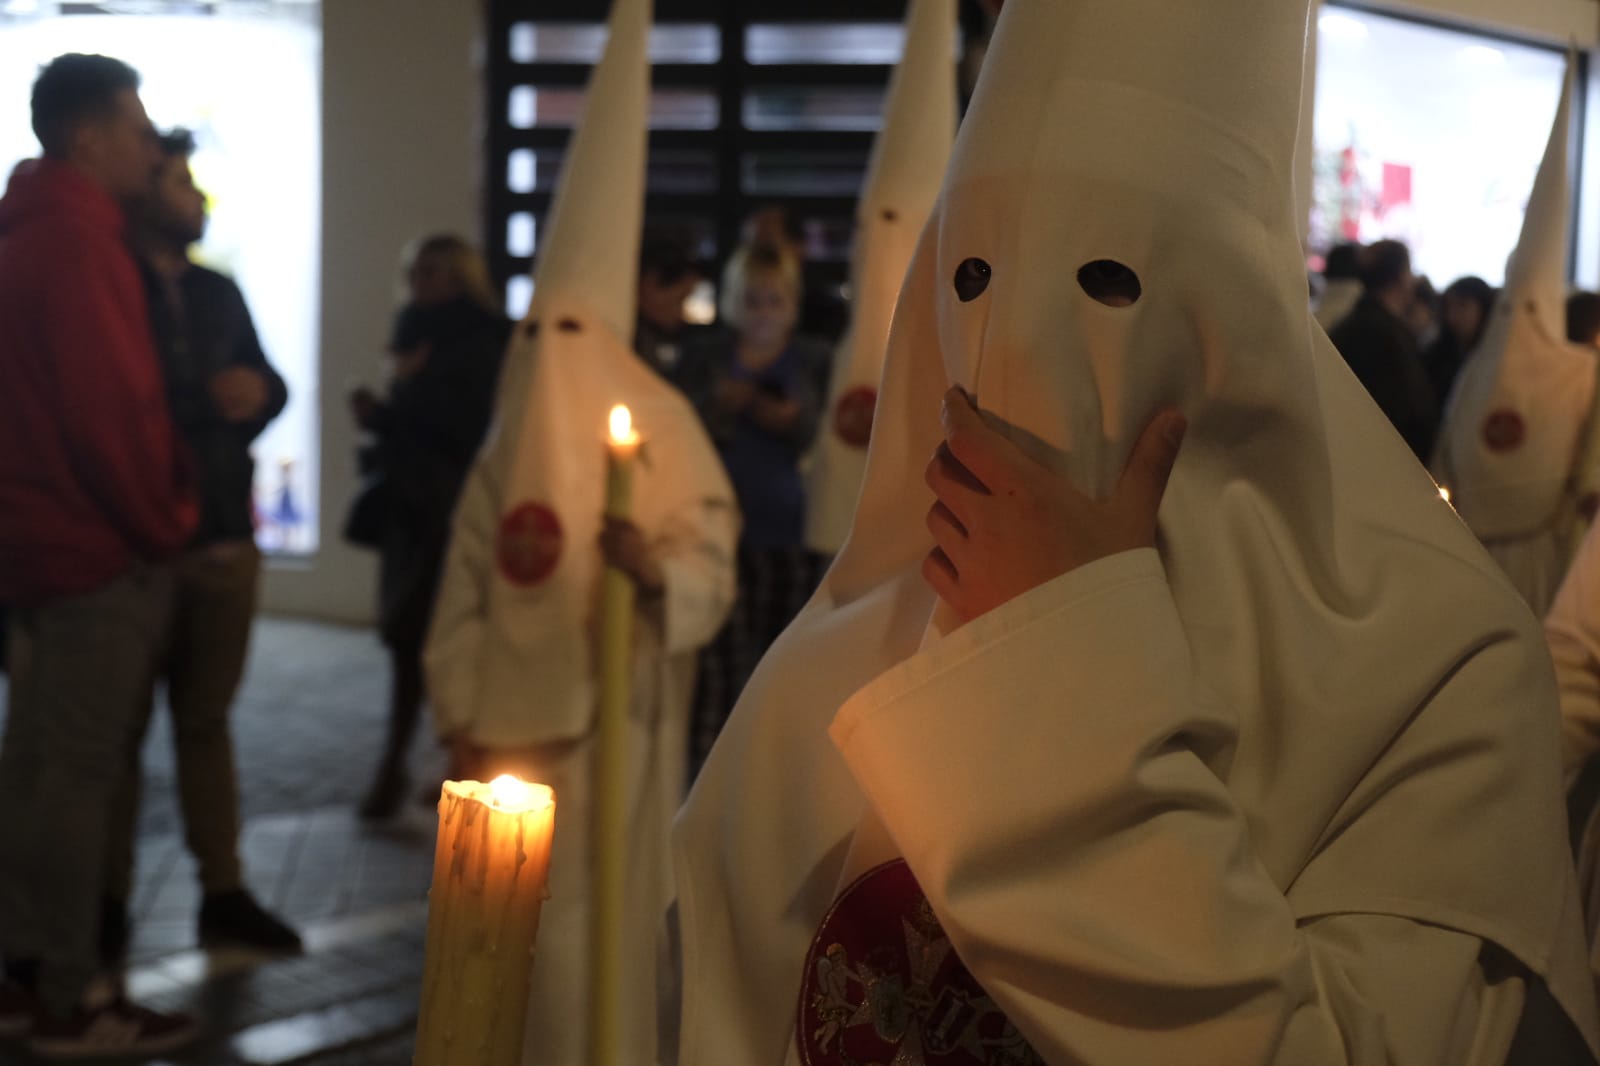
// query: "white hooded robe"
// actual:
[[1282, 790], [511, 658], [902, 183], [1515, 448]]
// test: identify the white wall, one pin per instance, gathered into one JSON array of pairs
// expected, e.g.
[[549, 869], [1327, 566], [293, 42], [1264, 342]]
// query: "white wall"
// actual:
[[401, 156]]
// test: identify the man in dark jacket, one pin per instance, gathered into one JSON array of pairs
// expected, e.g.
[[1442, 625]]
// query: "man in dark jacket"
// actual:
[[223, 393], [1381, 349], [94, 495]]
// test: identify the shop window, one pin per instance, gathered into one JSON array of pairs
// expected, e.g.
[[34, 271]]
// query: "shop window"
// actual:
[[1428, 135]]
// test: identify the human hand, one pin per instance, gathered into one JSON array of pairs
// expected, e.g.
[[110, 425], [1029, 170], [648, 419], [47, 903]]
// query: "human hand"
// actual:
[[733, 395], [238, 393], [1004, 523], [624, 548], [364, 404]]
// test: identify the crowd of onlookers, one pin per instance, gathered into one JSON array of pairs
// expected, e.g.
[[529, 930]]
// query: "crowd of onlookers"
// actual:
[[1406, 341]]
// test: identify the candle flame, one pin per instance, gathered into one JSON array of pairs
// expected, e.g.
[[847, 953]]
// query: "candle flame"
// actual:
[[1444, 494], [622, 431], [511, 794]]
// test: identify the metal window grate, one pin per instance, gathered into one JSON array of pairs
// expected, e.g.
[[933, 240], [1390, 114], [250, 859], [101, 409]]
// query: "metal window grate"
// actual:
[[756, 102]]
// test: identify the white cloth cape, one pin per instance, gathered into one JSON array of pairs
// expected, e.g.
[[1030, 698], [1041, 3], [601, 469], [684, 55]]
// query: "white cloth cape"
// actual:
[[514, 666], [511, 656], [902, 183], [1284, 791]]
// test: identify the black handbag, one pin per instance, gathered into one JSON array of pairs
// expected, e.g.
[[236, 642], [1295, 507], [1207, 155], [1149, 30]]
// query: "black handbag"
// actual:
[[368, 516]]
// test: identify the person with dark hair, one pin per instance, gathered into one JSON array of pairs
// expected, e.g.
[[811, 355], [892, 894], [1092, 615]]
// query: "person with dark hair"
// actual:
[[222, 393], [1341, 285], [1379, 344], [1463, 315], [447, 345], [668, 273], [1425, 310], [1583, 318], [97, 496]]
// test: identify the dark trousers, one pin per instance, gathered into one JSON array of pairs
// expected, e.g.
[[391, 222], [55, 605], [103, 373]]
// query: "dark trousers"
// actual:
[[774, 583], [81, 671]]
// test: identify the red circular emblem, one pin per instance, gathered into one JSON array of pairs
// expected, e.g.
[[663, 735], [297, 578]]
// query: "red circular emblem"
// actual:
[[883, 984], [1504, 431], [852, 416], [529, 545]]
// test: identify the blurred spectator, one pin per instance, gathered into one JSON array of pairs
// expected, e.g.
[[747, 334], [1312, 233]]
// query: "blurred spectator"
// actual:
[[823, 312], [1341, 285], [95, 497], [1425, 309], [757, 388], [222, 393], [1377, 340], [447, 346], [1583, 318], [668, 274], [1463, 315]]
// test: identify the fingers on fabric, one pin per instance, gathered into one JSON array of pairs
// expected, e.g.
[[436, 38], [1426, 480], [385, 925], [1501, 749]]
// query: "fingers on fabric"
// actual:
[[948, 532], [1144, 479], [988, 455], [954, 485], [940, 574]]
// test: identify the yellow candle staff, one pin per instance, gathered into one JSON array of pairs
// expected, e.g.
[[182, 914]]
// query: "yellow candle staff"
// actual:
[[490, 875], [611, 763]]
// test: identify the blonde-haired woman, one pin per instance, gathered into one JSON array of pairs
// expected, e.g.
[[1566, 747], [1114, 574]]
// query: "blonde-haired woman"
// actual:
[[445, 267], [448, 338], [759, 386]]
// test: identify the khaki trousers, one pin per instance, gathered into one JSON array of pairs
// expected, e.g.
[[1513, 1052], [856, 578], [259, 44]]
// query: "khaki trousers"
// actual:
[[214, 607]]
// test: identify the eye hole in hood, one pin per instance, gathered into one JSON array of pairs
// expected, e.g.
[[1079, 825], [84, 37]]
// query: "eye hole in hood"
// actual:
[[1109, 282], [972, 279]]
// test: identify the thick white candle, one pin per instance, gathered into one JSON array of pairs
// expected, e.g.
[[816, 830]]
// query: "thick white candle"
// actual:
[[490, 876]]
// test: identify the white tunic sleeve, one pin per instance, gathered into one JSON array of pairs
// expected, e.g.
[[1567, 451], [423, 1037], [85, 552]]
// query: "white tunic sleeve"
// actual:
[[1573, 632], [454, 654], [1048, 773], [696, 548]]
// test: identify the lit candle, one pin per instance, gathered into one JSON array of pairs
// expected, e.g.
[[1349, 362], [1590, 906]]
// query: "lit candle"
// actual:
[[490, 871], [610, 826]]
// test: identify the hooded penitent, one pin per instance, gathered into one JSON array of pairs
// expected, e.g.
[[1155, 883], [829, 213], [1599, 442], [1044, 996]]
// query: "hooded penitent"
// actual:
[[1263, 794], [510, 657], [903, 178], [1515, 424]]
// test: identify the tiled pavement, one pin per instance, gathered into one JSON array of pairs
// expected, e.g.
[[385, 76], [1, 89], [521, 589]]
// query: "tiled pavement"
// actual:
[[307, 725]]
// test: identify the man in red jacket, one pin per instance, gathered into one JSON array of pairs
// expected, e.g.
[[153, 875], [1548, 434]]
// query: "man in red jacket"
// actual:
[[93, 497]]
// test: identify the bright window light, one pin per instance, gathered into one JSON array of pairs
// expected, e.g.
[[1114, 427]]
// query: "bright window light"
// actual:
[[1430, 136], [248, 85], [1342, 27]]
